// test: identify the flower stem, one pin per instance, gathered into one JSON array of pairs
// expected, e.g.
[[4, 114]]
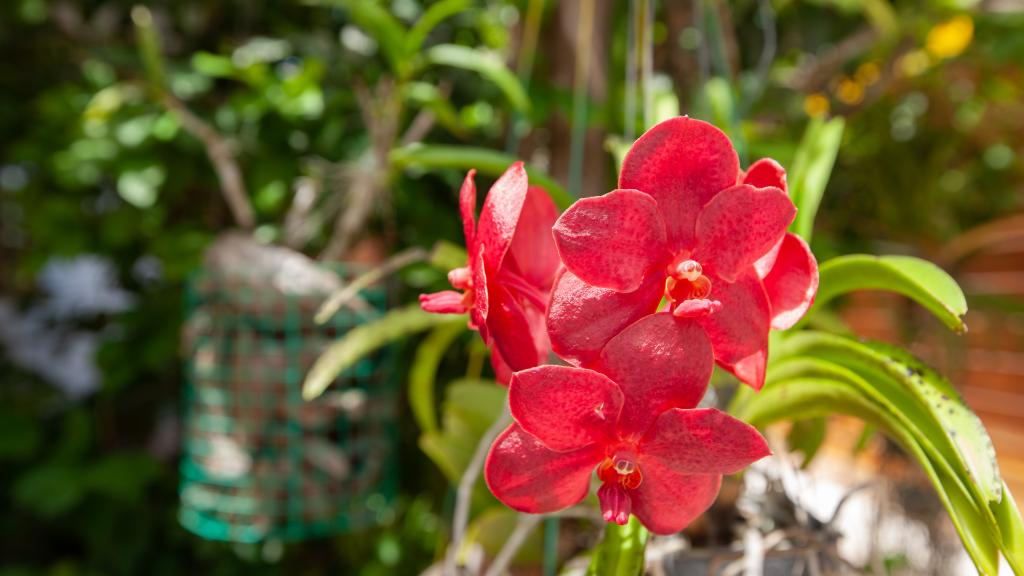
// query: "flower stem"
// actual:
[[465, 491], [525, 524]]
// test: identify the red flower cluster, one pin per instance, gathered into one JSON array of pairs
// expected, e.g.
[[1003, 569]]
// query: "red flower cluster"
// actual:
[[512, 263], [686, 228]]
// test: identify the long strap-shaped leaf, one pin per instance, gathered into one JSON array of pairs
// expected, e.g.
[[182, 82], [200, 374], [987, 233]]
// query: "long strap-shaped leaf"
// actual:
[[814, 374], [924, 282], [813, 397]]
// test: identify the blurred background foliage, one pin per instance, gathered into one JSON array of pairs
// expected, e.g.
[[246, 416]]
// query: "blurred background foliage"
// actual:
[[107, 202]]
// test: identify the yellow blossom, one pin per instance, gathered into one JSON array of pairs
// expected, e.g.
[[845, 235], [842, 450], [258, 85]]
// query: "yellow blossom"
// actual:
[[850, 92], [914, 63], [950, 37], [816, 105], [867, 73]]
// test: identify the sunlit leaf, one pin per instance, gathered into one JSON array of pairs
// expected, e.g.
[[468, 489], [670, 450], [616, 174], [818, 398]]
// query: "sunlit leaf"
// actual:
[[485, 161], [924, 282], [366, 338], [485, 64], [811, 169], [423, 373], [816, 397], [437, 13], [469, 409], [378, 22]]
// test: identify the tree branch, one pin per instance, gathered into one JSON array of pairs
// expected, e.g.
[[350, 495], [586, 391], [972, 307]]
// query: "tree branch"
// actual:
[[221, 155]]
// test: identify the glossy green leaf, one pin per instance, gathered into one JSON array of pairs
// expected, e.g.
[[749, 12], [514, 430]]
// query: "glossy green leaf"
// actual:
[[1011, 530], [428, 96], [445, 256], [919, 396], [811, 169], [621, 551], [821, 396], [924, 282], [485, 161], [806, 437], [470, 407], [384, 28], [423, 373], [492, 528], [365, 338], [437, 13], [485, 64]]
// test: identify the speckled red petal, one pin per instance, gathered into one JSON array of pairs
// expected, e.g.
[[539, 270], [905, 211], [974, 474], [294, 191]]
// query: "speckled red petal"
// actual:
[[611, 241], [739, 226], [792, 282], [739, 330], [565, 407], [583, 318], [702, 441], [682, 163], [659, 362], [527, 476]]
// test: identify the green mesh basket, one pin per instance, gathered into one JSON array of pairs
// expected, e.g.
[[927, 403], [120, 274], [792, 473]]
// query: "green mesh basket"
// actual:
[[259, 462]]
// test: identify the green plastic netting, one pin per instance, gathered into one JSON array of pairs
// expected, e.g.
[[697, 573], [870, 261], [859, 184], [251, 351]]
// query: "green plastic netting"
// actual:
[[258, 461]]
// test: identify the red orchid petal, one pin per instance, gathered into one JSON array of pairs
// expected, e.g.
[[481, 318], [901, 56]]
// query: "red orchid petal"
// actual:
[[611, 241], [739, 330], [666, 501], [583, 318], [467, 207], [481, 296], [516, 329], [446, 302], [739, 226], [528, 477], [533, 251], [683, 163], [500, 215], [763, 265], [792, 283], [702, 441], [659, 362], [765, 173], [565, 407], [502, 371]]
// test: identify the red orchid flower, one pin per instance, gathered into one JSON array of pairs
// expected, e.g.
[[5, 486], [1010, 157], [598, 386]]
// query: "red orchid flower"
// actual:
[[687, 226], [634, 422], [507, 279]]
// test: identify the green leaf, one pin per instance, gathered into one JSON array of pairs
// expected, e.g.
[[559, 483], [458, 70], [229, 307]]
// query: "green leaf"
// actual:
[[423, 373], [486, 64], [381, 26], [364, 339], [907, 400], [924, 282], [428, 96], [445, 256], [1011, 530], [811, 169], [918, 395], [621, 551], [437, 13], [821, 396], [806, 436], [470, 407], [492, 528], [485, 161], [50, 489]]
